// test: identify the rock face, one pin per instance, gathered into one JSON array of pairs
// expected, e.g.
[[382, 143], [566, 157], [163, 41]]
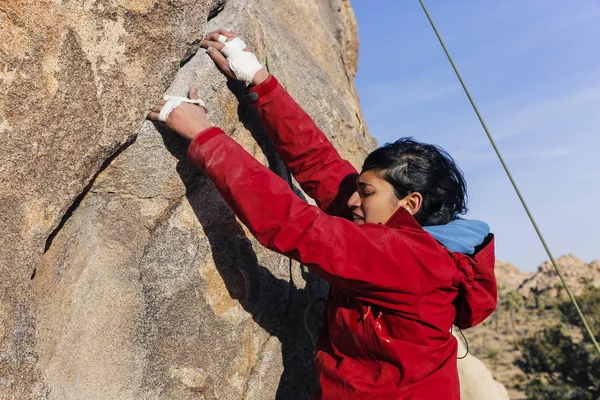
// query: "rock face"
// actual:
[[122, 272], [576, 272]]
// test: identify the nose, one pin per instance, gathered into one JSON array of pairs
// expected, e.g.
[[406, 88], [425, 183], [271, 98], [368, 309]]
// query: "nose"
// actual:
[[354, 200]]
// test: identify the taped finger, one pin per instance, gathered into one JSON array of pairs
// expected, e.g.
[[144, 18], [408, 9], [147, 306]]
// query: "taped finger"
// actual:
[[163, 116], [222, 39], [242, 63], [213, 37], [234, 46], [210, 43], [153, 116]]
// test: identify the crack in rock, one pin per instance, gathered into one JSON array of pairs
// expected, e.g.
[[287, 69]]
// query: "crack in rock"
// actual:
[[257, 362], [79, 198], [195, 45], [216, 10]]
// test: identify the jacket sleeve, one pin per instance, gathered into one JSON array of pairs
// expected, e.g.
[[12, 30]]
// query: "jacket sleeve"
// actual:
[[477, 294], [304, 148], [362, 260]]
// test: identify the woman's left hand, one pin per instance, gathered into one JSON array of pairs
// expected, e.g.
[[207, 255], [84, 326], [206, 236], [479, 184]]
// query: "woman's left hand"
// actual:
[[243, 61], [187, 119]]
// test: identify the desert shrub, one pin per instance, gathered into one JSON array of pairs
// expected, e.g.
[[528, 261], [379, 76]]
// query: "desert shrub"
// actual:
[[557, 366]]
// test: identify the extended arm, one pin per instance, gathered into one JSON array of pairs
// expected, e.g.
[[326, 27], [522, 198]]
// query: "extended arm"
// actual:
[[362, 260], [304, 149]]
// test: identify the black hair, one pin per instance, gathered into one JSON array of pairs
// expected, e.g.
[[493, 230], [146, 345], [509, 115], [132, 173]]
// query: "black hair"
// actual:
[[410, 166]]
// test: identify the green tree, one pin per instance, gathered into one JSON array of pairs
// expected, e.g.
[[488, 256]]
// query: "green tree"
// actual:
[[556, 366], [587, 282], [559, 291], [589, 302], [535, 292], [512, 303]]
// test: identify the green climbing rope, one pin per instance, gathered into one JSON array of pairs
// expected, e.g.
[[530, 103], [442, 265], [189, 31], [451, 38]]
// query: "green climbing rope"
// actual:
[[512, 181]]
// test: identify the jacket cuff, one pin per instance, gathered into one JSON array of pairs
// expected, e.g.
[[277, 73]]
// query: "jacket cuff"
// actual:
[[262, 89], [193, 152]]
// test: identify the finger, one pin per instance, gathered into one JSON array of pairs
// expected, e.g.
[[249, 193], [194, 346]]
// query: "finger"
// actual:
[[226, 33], [212, 33], [193, 93], [153, 116], [221, 61], [209, 43], [214, 36], [159, 106]]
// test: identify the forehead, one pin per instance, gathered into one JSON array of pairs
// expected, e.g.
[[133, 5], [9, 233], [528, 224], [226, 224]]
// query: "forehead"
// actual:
[[371, 177]]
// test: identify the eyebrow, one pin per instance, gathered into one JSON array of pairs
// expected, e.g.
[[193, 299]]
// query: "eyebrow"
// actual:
[[361, 183]]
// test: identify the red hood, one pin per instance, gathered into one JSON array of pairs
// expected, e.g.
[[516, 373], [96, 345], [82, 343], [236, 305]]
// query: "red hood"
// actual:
[[477, 291], [475, 279]]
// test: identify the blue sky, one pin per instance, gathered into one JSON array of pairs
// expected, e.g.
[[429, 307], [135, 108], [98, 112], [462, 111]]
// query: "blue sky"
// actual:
[[533, 68]]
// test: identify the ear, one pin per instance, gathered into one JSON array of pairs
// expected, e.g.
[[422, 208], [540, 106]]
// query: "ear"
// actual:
[[413, 202]]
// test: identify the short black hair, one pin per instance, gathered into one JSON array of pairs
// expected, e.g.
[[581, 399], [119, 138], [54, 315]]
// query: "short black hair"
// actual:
[[410, 166]]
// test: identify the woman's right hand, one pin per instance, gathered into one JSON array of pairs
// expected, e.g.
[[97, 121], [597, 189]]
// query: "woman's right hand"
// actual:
[[186, 119], [244, 67]]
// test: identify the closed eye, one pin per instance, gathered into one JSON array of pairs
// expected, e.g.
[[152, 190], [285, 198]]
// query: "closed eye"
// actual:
[[364, 189]]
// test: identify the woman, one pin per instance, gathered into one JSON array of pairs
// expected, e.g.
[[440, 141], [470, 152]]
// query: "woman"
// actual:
[[396, 289]]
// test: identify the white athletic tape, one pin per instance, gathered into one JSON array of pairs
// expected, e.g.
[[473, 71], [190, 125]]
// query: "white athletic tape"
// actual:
[[172, 103], [222, 39], [242, 63], [234, 46]]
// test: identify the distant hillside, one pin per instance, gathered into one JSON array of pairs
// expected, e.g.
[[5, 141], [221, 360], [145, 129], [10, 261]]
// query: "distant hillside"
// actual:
[[526, 303], [575, 271], [510, 277]]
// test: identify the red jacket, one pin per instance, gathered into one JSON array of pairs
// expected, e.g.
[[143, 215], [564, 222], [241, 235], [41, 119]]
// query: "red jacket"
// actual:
[[395, 290]]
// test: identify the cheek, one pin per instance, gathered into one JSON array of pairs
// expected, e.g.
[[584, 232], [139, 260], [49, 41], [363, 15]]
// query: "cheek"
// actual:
[[366, 204], [380, 207], [396, 204], [373, 206]]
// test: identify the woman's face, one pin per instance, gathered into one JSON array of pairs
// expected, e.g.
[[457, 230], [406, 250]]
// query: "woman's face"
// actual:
[[375, 201]]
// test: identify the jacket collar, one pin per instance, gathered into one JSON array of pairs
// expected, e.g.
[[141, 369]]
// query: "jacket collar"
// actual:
[[402, 218], [484, 253]]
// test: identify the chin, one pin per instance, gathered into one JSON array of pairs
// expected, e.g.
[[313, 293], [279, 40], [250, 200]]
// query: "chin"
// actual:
[[358, 221]]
